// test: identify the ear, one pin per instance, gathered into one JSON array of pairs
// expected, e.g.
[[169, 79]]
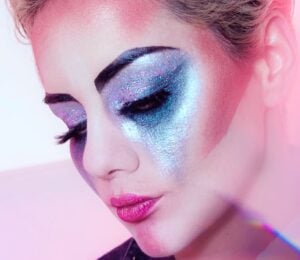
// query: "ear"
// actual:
[[278, 59]]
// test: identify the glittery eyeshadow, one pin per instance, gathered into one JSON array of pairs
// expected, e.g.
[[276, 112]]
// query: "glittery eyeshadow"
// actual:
[[171, 84], [163, 130], [72, 113]]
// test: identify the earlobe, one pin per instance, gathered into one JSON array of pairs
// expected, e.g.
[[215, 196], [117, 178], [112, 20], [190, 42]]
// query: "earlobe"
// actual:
[[278, 59]]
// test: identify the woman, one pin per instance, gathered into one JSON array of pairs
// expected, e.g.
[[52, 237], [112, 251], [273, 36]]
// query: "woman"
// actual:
[[166, 101]]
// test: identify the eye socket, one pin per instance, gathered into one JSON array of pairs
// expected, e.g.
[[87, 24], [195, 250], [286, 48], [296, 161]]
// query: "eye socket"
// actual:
[[76, 133], [146, 104]]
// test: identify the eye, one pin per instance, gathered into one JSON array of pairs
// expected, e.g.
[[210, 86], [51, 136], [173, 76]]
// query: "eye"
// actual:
[[146, 104], [77, 132]]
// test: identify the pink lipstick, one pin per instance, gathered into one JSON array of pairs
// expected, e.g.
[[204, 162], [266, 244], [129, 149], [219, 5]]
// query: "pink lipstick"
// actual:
[[132, 208]]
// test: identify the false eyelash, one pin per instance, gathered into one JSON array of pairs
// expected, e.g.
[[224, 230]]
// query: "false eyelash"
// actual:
[[140, 106], [145, 104], [74, 132]]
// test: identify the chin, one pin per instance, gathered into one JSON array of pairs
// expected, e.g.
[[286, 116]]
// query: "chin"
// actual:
[[154, 248], [158, 244]]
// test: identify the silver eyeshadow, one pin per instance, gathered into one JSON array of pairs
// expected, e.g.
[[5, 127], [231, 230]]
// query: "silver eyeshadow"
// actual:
[[165, 131]]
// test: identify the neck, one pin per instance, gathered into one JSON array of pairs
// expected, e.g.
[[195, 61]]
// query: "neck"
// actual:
[[230, 237]]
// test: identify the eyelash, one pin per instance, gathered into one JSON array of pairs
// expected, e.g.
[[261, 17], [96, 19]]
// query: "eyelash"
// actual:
[[75, 133], [143, 105]]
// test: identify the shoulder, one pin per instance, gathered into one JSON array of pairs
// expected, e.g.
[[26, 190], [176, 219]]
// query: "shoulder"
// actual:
[[129, 250]]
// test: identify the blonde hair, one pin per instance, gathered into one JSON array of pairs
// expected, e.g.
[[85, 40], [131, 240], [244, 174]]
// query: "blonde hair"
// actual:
[[24, 12], [234, 22]]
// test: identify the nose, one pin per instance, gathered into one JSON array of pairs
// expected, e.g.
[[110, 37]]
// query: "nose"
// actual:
[[108, 151]]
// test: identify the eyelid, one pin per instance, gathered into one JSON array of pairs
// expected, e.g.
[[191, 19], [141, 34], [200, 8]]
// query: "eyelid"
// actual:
[[157, 98], [142, 99], [70, 112], [164, 83]]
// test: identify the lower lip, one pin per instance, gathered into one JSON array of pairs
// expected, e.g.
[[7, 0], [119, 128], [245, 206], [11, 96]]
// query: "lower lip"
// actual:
[[137, 212]]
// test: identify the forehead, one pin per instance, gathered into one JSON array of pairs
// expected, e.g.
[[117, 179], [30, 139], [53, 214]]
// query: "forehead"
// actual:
[[97, 14], [73, 40]]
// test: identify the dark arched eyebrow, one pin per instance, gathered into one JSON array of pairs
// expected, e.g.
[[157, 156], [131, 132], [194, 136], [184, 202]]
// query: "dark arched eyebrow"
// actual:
[[110, 71], [58, 98], [124, 60]]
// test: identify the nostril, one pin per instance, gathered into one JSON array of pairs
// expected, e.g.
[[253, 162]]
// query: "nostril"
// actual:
[[111, 172]]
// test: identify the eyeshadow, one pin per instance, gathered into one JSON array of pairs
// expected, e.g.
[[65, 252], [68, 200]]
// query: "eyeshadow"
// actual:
[[164, 130], [72, 113], [168, 139], [141, 78], [164, 90]]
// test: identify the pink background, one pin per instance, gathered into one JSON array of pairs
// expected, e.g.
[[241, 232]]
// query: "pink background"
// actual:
[[48, 212]]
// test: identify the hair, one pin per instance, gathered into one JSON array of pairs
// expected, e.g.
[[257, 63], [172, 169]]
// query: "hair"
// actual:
[[234, 22]]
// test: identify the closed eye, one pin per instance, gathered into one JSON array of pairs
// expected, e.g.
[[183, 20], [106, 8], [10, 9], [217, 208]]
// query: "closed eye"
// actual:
[[145, 104], [76, 132]]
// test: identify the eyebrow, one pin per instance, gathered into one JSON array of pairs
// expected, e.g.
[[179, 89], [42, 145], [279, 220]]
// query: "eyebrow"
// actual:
[[110, 71], [58, 98], [124, 60]]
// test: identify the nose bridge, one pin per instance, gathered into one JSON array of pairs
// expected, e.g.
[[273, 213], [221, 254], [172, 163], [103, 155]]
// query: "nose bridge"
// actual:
[[107, 150]]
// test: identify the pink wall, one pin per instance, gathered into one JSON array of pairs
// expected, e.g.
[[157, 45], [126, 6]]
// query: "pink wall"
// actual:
[[48, 212]]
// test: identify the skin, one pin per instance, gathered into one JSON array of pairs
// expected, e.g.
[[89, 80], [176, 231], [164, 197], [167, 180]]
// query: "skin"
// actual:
[[73, 41]]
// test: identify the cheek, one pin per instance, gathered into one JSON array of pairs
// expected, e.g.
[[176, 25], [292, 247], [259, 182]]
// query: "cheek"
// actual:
[[227, 89]]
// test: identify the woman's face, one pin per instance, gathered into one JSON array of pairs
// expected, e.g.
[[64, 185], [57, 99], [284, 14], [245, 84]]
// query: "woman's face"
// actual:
[[163, 124]]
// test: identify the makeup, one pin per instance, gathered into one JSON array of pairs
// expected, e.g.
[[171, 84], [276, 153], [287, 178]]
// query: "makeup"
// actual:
[[71, 112], [133, 208], [154, 101]]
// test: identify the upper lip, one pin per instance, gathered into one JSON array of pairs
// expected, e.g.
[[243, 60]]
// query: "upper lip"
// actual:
[[128, 199]]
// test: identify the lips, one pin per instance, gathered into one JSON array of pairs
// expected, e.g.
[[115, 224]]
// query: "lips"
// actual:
[[132, 208]]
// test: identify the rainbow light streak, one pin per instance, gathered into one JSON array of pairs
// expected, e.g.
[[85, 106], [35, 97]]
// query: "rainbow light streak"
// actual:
[[259, 224]]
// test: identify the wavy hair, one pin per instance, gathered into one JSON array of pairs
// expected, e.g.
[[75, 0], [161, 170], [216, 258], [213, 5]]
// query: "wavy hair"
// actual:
[[234, 22]]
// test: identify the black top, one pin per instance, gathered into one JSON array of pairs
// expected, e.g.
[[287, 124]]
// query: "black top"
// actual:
[[129, 250]]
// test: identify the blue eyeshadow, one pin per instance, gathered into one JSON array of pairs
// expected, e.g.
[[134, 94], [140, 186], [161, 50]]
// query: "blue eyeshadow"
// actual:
[[169, 86]]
